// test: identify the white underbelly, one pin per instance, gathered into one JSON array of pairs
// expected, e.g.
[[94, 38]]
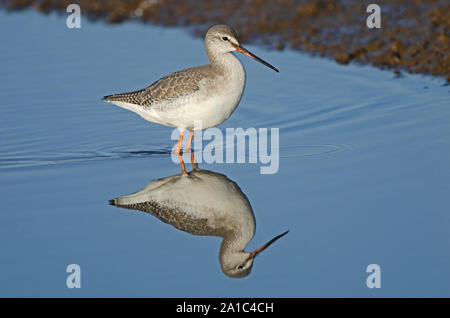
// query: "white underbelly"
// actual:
[[211, 110]]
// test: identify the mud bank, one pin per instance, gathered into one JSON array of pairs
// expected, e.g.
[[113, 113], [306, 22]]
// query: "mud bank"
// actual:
[[414, 35]]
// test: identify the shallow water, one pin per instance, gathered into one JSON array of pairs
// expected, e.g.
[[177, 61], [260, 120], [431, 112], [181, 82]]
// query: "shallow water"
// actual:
[[363, 178]]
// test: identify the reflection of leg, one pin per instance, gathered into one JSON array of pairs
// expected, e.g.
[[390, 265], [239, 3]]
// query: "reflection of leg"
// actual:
[[180, 140], [188, 145], [178, 153], [183, 169], [194, 164]]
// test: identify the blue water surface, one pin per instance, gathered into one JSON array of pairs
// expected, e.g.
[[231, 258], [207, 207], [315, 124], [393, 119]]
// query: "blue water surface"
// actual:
[[363, 177]]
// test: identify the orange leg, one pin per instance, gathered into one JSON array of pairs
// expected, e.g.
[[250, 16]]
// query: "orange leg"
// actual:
[[178, 153], [180, 140], [194, 164], [183, 169], [188, 145]]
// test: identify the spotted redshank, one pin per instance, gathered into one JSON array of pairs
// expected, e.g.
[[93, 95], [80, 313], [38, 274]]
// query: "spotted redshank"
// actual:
[[206, 203], [209, 93]]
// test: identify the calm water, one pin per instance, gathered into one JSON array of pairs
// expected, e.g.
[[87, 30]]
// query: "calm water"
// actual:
[[364, 171]]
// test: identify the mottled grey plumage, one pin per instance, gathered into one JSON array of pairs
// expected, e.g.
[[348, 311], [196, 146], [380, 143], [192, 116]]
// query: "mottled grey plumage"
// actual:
[[172, 86], [175, 217]]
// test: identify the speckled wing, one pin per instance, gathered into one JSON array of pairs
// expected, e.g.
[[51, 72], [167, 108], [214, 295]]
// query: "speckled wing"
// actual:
[[176, 218], [168, 88]]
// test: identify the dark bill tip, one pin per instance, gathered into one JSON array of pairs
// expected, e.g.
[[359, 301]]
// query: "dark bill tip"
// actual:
[[253, 56]]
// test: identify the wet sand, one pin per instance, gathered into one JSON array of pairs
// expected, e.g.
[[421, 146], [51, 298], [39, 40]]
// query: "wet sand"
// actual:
[[414, 35]]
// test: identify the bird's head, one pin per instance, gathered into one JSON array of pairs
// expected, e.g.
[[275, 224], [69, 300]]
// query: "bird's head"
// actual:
[[239, 264], [222, 38]]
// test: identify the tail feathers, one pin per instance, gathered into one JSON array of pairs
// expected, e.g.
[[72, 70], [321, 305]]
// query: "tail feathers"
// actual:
[[132, 97]]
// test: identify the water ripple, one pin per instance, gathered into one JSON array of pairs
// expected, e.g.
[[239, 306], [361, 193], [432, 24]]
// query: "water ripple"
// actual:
[[22, 160], [53, 158], [315, 150]]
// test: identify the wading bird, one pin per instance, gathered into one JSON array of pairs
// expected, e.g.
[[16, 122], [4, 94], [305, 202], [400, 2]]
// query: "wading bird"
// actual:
[[209, 93]]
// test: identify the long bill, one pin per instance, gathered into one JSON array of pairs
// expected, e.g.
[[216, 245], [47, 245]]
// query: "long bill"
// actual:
[[253, 56], [262, 248]]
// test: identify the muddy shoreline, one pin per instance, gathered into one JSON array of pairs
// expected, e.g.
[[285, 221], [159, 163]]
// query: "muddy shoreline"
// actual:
[[414, 35]]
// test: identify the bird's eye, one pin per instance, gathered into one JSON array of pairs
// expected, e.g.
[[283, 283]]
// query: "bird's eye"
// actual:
[[225, 38], [240, 267]]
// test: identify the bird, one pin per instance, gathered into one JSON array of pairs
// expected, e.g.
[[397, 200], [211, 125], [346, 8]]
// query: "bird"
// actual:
[[209, 93], [206, 203]]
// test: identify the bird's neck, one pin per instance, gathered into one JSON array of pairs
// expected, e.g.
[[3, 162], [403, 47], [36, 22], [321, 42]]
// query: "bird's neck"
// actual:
[[235, 241], [226, 63]]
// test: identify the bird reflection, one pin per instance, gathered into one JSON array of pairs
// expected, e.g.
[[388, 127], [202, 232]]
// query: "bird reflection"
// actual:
[[203, 203]]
